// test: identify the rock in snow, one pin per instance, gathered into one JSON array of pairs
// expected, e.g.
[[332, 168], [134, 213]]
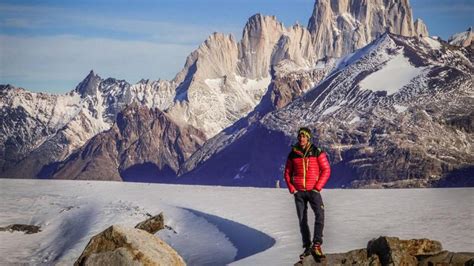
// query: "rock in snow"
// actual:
[[118, 245], [394, 251], [28, 229], [153, 224]]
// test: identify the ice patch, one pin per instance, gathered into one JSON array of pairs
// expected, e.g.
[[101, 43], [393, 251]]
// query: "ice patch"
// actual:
[[393, 76]]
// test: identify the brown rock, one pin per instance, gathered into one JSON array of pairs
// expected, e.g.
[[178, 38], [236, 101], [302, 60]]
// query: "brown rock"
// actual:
[[417, 247], [448, 258], [393, 251], [118, 245], [28, 229], [354, 257], [153, 224]]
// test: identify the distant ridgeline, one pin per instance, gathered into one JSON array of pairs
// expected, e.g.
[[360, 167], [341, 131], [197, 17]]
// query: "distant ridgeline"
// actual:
[[391, 106]]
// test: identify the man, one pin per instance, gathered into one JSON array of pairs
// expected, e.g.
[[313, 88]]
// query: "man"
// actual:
[[307, 171]]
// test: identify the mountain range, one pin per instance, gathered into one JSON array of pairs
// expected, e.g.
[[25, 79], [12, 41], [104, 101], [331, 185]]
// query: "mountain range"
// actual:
[[391, 106]]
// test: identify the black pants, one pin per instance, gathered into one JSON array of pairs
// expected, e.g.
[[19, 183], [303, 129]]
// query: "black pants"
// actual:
[[316, 202]]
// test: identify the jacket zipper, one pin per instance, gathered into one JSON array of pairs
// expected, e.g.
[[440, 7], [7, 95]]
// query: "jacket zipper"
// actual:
[[304, 168]]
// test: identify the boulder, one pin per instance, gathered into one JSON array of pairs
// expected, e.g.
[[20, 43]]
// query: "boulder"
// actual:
[[354, 257], [447, 258], [394, 251], [153, 224], [28, 229], [118, 245]]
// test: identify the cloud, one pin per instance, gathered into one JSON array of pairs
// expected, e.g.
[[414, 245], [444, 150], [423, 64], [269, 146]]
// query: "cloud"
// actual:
[[69, 20], [69, 58], [42, 45]]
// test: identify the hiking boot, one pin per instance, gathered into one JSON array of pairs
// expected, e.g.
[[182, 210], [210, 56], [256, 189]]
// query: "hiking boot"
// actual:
[[306, 252], [317, 251]]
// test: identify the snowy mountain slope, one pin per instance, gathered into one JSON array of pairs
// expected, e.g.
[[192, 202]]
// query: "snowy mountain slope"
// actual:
[[395, 113], [143, 145], [386, 133], [42, 129], [222, 81], [286, 86], [463, 39], [248, 226]]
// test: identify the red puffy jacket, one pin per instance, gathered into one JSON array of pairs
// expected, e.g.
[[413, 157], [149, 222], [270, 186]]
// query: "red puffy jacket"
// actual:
[[306, 170]]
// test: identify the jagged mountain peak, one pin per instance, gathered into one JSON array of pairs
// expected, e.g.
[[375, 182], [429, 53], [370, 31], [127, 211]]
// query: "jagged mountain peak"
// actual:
[[377, 116], [259, 37], [463, 39], [143, 145], [259, 19], [6, 87], [341, 27], [89, 85], [420, 28], [391, 68]]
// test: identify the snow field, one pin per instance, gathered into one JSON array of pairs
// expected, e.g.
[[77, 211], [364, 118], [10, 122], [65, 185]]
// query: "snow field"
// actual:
[[222, 225]]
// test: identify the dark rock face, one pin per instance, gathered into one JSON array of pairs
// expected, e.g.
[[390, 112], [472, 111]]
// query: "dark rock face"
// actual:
[[286, 86], [401, 252], [28, 229], [393, 251], [252, 158], [153, 224], [141, 137]]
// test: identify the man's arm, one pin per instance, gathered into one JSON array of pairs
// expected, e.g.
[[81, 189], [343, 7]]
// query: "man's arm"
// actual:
[[288, 174], [325, 171]]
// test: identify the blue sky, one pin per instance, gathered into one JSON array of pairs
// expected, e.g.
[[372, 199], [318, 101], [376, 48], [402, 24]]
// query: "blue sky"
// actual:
[[50, 46]]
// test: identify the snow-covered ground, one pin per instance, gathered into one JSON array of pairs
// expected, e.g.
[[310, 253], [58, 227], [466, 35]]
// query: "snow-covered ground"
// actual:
[[222, 225]]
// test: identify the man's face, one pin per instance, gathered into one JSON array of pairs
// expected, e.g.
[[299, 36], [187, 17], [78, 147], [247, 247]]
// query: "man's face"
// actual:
[[302, 140]]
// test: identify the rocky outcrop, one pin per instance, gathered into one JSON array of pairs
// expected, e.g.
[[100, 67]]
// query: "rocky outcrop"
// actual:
[[152, 224], [420, 28], [143, 145], [118, 245], [393, 251], [463, 39], [27, 228], [287, 85], [341, 27], [261, 34], [401, 252]]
